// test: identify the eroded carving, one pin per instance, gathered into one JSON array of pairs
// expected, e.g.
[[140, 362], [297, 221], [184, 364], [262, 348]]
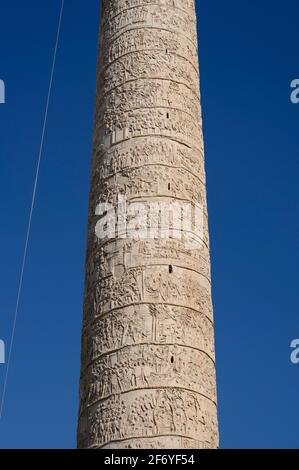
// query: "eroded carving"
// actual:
[[148, 359], [149, 413]]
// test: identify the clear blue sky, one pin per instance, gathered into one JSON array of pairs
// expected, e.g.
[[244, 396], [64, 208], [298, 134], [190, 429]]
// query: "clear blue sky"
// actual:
[[249, 55]]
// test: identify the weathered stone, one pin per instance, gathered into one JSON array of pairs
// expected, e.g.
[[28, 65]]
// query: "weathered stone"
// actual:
[[148, 360]]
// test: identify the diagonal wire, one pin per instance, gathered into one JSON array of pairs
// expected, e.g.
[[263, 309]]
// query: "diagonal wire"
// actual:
[[31, 210]]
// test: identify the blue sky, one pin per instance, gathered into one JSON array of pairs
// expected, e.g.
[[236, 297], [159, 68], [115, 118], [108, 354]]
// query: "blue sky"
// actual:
[[248, 56]]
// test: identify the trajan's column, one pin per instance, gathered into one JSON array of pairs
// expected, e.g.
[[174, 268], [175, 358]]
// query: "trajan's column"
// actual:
[[148, 365]]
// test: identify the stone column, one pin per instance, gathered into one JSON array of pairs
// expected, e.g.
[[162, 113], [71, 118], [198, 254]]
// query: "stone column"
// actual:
[[148, 365]]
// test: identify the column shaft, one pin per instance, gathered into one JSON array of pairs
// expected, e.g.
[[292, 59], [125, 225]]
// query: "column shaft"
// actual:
[[148, 364]]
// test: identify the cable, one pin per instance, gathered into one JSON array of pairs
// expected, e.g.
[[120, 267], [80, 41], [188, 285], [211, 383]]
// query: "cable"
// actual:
[[31, 210]]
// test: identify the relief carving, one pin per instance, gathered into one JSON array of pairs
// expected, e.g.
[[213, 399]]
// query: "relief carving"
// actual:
[[145, 15], [148, 359], [139, 39], [147, 323], [148, 65], [148, 366], [149, 413]]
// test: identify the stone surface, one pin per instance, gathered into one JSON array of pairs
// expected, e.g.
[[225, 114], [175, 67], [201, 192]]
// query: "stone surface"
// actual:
[[148, 362]]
